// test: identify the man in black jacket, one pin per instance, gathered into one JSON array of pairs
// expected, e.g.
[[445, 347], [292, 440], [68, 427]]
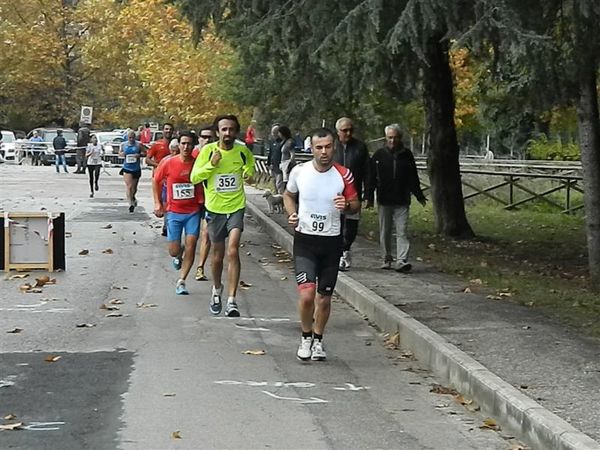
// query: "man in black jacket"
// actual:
[[274, 159], [353, 154], [394, 176]]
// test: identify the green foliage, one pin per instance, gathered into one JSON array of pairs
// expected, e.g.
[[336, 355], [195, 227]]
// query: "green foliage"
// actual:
[[542, 148]]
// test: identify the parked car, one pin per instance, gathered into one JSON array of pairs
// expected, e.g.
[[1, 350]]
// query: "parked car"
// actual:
[[8, 150], [156, 135], [111, 141], [48, 134]]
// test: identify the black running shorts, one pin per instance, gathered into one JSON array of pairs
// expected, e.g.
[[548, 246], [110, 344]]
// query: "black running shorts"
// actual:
[[316, 259]]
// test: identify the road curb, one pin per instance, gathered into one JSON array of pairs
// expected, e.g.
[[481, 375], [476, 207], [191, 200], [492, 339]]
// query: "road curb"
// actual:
[[514, 411]]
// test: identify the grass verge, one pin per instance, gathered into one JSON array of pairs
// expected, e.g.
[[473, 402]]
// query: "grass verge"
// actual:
[[534, 258]]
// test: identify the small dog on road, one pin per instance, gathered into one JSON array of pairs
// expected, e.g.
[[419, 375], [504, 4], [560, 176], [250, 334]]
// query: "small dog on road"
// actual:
[[275, 201]]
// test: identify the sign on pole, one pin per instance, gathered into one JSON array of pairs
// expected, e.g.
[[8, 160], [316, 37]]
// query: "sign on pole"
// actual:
[[86, 115]]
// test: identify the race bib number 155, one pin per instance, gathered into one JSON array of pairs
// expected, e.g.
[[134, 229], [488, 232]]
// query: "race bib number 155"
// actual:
[[183, 191]]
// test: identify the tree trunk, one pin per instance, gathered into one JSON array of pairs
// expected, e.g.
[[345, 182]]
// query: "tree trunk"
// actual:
[[589, 142], [443, 156]]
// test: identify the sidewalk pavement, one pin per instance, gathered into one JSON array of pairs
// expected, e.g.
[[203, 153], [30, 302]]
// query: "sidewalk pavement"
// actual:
[[537, 378]]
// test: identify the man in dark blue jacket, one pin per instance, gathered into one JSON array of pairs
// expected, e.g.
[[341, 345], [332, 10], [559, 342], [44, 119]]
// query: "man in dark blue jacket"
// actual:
[[393, 174]]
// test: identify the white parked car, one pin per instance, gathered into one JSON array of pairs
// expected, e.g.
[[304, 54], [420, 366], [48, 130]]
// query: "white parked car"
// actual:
[[8, 147], [110, 141]]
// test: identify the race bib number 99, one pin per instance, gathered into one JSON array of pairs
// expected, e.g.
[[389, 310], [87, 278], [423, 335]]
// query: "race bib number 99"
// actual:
[[130, 159], [316, 223], [183, 191], [226, 183]]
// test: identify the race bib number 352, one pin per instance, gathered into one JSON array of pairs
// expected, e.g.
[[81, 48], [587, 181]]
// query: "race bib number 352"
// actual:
[[130, 159], [226, 183], [183, 191]]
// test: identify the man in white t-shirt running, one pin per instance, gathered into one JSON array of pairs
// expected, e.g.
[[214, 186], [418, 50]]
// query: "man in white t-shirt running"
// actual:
[[317, 194]]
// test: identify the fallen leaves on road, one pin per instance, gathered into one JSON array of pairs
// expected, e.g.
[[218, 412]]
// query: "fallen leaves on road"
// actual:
[[518, 447], [467, 290], [439, 389], [490, 424], [10, 417], [114, 314], [109, 307], [169, 394], [84, 252], [107, 227], [108, 251], [245, 285], [285, 260], [254, 352], [11, 426], [52, 358], [276, 246], [18, 275], [392, 342], [15, 330], [42, 281], [115, 301], [146, 305], [476, 281], [85, 325], [407, 355], [467, 403], [176, 434], [283, 278], [27, 288], [68, 234]]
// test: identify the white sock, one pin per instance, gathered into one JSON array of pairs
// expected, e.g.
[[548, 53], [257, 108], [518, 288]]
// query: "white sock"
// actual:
[[181, 281], [231, 299]]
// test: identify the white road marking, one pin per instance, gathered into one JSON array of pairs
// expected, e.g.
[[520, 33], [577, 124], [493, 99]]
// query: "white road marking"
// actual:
[[42, 426], [244, 327], [351, 387], [303, 401], [296, 384]]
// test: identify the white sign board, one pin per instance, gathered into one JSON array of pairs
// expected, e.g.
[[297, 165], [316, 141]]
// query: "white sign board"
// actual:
[[86, 114]]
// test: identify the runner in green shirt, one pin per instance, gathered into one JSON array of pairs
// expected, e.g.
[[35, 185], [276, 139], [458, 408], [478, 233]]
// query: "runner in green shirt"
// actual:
[[222, 167]]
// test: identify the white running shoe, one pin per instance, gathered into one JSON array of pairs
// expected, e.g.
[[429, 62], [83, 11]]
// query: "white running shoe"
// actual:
[[348, 257], [343, 266], [318, 352], [304, 352]]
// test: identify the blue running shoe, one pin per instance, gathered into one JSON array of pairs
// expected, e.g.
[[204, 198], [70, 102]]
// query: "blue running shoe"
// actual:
[[180, 289], [215, 301], [177, 263]]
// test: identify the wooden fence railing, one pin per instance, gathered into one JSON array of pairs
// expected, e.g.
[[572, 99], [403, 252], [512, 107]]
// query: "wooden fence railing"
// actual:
[[511, 184]]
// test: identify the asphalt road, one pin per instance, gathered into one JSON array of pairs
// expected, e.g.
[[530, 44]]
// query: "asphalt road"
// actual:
[[156, 373]]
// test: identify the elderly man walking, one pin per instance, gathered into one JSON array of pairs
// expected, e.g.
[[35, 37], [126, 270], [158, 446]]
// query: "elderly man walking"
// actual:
[[393, 174], [353, 154]]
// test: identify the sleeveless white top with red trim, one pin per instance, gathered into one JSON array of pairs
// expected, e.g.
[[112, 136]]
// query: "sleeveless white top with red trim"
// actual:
[[316, 191]]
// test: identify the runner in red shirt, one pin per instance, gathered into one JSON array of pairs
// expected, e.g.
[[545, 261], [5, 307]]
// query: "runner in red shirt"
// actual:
[[250, 138], [160, 149], [183, 208], [146, 134]]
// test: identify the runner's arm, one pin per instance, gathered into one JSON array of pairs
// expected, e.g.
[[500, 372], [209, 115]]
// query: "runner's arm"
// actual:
[[249, 168], [157, 183], [203, 168], [290, 203]]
